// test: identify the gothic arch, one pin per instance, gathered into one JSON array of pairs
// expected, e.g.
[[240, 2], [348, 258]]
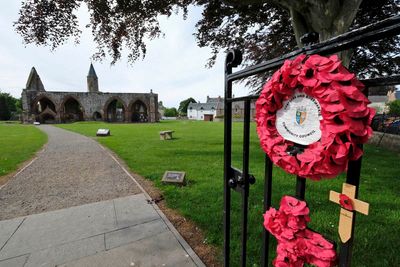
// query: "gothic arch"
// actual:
[[71, 109], [113, 113], [44, 109], [97, 116], [139, 111], [48, 100], [68, 97]]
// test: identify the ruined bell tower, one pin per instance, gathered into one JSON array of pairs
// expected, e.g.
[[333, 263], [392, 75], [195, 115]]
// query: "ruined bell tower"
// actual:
[[92, 81]]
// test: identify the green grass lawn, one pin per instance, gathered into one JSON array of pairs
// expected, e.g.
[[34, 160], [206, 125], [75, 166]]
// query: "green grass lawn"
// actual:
[[18, 143], [197, 149]]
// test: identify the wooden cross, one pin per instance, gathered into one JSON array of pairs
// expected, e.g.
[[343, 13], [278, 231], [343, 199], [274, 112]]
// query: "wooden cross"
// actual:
[[349, 204]]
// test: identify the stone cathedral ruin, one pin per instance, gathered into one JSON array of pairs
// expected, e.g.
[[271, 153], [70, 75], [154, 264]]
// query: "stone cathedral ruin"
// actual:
[[61, 107]]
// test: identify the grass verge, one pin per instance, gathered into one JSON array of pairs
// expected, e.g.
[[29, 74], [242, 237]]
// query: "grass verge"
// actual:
[[18, 143], [197, 149]]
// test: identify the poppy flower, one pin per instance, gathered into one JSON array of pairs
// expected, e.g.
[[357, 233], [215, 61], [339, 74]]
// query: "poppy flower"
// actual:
[[297, 245], [344, 111], [346, 202], [274, 222], [293, 206]]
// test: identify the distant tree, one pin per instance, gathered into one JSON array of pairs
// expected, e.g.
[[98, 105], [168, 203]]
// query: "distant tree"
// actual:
[[394, 107], [170, 112], [18, 105], [183, 106], [119, 104], [5, 113], [9, 105]]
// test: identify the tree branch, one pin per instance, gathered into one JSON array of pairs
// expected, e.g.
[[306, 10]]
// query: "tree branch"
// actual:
[[287, 4]]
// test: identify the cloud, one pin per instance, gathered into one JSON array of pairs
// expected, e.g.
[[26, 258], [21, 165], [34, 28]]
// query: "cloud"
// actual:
[[173, 66]]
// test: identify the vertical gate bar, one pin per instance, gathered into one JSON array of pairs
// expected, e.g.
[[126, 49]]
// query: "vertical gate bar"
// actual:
[[353, 177], [227, 163], [245, 193], [300, 187], [267, 205]]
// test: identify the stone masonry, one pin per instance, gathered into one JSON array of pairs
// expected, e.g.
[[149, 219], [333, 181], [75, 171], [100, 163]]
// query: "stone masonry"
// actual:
[[58, 107]]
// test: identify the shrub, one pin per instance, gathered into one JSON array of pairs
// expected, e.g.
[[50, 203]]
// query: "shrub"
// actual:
[[170, 112], [394, 107]]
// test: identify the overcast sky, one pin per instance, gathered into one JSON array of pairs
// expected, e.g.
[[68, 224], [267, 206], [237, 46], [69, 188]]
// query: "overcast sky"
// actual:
[[173, 67]]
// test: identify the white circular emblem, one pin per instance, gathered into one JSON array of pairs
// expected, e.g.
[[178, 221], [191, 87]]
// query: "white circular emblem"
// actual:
[[298, 119]]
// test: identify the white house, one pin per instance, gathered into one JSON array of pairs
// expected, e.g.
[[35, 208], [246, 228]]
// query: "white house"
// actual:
[[206, 111], [202, 111], [214, 107]]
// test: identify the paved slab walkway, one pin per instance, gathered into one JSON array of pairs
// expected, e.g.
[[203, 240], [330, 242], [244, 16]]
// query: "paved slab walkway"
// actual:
[[72, 170], [121, 232]]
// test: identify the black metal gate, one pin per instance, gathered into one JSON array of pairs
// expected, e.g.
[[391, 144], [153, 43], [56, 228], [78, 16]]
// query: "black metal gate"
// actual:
[[240, 180]]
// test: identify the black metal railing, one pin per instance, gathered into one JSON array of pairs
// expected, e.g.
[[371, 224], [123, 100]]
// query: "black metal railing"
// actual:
[[240, 180]]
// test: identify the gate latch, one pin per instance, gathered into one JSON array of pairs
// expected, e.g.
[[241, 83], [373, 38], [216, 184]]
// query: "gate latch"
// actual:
[[238, 179]]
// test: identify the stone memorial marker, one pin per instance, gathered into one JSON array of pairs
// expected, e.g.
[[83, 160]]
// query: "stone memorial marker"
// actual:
[[175, 177], [166, 135], [103, 132]]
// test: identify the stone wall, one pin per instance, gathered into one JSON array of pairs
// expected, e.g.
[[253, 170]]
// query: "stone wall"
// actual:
[[388, 141], [90, 102], [56, 107]]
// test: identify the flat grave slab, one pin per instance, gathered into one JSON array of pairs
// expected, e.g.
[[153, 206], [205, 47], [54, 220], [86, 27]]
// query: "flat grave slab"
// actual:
[[175, 177], [103, 132]]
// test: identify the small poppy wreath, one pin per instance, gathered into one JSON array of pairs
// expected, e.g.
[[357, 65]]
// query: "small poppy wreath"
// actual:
[[297, 244], [343, 116]]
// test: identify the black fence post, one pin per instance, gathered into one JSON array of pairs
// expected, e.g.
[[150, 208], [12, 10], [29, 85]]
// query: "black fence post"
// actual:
[[300, 187], [245, 179], [353, 178], [267, 205], [233, 59]]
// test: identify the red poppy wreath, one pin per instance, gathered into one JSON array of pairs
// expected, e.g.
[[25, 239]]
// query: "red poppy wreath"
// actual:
[[297, 244], [311, 115]]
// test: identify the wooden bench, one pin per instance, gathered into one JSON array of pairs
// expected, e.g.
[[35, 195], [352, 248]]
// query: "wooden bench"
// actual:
[[166, 135]]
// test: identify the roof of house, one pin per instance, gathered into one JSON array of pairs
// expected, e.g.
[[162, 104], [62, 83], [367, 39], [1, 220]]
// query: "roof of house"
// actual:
[[205, 106], [218, 105], [214, 99]]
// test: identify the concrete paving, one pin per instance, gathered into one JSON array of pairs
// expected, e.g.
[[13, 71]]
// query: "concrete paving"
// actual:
[[126, 231]]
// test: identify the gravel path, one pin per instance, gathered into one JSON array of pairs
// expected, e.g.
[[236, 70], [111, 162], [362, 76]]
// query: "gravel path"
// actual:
[[70, 171]]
